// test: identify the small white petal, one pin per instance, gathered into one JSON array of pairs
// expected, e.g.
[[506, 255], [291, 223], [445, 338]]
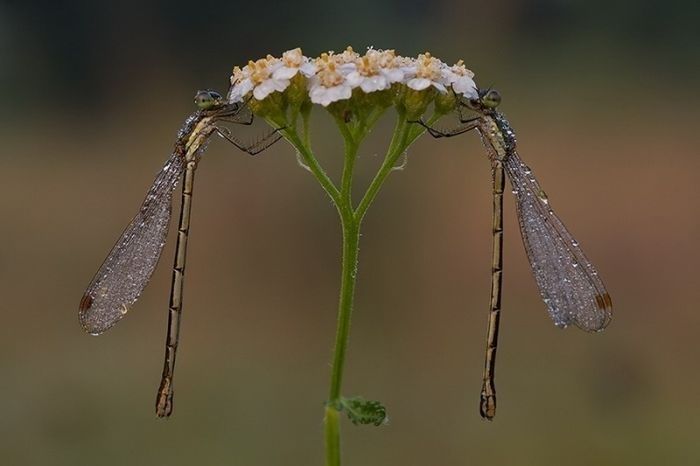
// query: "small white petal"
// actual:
[[409, 72], [347, 68], [274, 65], [327, 95], [285, 73], [393, 75], [448, 76], [317, 94], [354, 79], [308, 69], [374, 83], [269, 86], [419, 84], [263, 91], [234, 97], [440, 87], [465, 85], [280, 84], [344, 92], [240, 90]]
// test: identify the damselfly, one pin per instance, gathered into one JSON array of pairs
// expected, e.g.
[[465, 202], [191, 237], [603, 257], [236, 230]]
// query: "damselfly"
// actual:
[[127, 269], [569, 284]]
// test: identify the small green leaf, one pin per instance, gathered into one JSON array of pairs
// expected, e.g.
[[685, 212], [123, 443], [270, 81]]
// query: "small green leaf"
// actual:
[[361, 411]]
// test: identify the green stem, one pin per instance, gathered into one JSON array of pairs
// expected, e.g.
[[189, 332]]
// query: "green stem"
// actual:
[[351, 241], [306, 113], [351, 219], [332, 424], [351, 146], [396, 147], [405, 134], [310, 160]]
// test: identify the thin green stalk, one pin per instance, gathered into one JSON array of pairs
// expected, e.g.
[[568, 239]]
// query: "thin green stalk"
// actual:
[[331, 422], [405, 134], [396, 148], [351, 219], [351, 240], [351, 146], [306, 113], [310, 160]]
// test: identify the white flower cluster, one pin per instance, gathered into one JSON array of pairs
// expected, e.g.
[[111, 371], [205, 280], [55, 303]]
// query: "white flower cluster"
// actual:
[[332, 77]]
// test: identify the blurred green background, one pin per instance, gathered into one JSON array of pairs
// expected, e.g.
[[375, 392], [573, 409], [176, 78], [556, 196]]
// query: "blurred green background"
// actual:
[[604, 97]]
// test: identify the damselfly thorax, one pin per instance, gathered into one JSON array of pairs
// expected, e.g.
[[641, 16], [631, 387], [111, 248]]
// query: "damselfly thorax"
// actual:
[[497, 135]]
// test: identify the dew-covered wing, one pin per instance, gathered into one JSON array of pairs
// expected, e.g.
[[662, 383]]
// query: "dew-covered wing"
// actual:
[[569, 284], [131, 262]]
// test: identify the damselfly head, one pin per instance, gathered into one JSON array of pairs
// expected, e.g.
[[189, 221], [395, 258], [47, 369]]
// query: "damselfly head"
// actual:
[[207, 99], [489, 98]]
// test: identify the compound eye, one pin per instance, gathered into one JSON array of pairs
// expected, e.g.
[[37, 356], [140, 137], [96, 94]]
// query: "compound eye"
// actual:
[[492, 99], [206, 99]]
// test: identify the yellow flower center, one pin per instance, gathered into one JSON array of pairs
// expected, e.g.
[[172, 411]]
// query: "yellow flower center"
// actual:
[[428, 67], [293, 58], [387, 59], [348, 56], [260, 69], [328, 74], [461, 70], [236, 75], [368, 65]]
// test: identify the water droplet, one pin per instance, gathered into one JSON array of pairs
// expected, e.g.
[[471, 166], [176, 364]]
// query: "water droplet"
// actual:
[[301, 163]]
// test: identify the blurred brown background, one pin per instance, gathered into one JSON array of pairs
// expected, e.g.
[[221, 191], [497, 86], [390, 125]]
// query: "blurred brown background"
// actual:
[[604, 98]]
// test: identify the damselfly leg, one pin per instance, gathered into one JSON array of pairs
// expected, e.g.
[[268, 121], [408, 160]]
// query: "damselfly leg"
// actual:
[[464, 126], [254, 147]]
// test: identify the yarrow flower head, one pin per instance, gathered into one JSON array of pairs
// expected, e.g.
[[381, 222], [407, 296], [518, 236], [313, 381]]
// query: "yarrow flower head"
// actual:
[[333, 77]]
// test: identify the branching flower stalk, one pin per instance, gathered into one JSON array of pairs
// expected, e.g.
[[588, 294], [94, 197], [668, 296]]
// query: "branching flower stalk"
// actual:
[[356, 91]]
